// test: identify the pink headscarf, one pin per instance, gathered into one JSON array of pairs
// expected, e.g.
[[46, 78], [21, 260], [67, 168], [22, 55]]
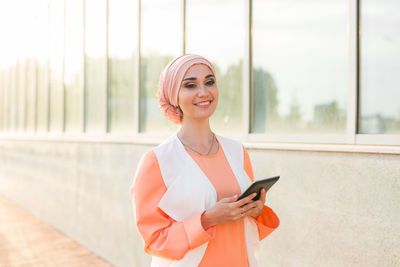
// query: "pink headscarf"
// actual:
[[170, 83]]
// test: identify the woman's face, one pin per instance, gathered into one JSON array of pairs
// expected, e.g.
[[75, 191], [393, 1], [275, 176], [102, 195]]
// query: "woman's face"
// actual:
[[198, 95]]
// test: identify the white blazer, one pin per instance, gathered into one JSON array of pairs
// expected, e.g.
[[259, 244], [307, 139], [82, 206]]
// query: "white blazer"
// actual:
[[189, 191]]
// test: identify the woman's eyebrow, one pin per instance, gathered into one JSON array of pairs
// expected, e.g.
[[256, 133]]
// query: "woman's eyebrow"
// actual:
[[194, 78], [190, 78]]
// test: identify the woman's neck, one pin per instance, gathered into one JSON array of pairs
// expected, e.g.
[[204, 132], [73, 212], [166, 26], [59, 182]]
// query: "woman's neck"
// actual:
[[196, 133]]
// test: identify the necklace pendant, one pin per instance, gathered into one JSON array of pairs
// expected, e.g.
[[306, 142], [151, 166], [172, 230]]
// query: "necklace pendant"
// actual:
[[202, 154]]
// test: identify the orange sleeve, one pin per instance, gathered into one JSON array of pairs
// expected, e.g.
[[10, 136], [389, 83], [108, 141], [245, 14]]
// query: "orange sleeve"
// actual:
[[268, 221], [163, 236]]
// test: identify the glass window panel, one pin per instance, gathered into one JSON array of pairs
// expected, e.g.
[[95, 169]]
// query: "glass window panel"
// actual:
[[96, 65], [20, 95], [15, 95], [7, 98], [216, 30], [12, 115], [6, 101], [160, 43], [2, 96], [380, 67], [34, 48], [41, 70], [123, 73], [30, 95], [300, 66], [56, 25], [73, 72], [42, 74]]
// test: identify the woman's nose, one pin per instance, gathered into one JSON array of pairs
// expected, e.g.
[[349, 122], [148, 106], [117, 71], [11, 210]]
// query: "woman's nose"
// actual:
[[203, 90]]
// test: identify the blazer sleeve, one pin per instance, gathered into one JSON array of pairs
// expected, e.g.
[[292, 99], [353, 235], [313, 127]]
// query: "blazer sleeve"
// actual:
[[268, 221], [162, 236]]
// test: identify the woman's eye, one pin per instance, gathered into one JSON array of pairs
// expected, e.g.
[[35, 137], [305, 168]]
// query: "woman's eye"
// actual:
[[190, 85], [210, 82]]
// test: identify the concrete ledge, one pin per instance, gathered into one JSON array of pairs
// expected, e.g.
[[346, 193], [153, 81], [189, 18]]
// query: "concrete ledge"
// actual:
[[153, 140]]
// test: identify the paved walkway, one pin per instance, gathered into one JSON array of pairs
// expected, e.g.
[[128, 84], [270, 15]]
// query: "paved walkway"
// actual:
[[27, 241]]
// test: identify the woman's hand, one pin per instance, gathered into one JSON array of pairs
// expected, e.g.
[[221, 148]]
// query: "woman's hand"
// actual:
[[229, 210], [256, 211]]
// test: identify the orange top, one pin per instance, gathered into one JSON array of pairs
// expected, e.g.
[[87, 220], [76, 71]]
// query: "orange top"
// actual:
[[165, 237]]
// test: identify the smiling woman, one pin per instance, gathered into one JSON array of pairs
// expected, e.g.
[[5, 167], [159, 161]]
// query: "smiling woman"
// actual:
[[185, 190], [198, 96]]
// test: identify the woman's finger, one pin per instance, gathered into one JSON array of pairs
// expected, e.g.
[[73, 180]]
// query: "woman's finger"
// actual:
[[263, 195], [250, 212], [229, 199], [245, 200], [249, 206], [254, 209]]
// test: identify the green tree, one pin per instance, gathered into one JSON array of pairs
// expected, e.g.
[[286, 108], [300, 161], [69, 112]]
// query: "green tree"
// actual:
[[265, 100], [294, 116]]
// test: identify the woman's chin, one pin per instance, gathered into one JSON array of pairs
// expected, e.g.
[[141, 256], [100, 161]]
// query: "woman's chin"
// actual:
[[201, 117], [206, 115]]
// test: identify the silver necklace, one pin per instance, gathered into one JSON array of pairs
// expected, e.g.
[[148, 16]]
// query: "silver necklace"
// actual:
[[212, 144]]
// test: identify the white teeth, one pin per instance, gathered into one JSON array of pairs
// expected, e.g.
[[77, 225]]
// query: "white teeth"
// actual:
[[203, 103]]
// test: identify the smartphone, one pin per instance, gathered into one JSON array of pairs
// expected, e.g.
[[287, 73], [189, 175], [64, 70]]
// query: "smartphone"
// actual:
[[256, 187]]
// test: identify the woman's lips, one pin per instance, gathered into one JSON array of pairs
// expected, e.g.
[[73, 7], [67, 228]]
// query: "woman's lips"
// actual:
[[204, 104]]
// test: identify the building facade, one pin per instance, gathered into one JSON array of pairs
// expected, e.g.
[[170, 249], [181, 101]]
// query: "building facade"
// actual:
[[311, 89]]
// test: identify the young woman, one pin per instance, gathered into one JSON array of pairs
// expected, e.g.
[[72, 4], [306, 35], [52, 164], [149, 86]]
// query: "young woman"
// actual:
[[185, 190]]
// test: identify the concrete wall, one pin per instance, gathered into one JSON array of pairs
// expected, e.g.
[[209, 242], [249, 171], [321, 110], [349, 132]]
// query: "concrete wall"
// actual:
[[336, 209]]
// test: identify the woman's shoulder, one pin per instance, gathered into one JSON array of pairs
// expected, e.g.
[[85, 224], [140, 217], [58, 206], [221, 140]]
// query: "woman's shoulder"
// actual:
[[168, 146], [231, 143], [148, 173], [235, 148], [148, 160]]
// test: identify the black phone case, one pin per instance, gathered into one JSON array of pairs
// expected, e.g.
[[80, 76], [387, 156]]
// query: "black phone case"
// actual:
[[256, 187]]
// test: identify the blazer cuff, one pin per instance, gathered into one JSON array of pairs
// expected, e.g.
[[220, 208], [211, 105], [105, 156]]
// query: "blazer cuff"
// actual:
[[195, 232], [267, 222]]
